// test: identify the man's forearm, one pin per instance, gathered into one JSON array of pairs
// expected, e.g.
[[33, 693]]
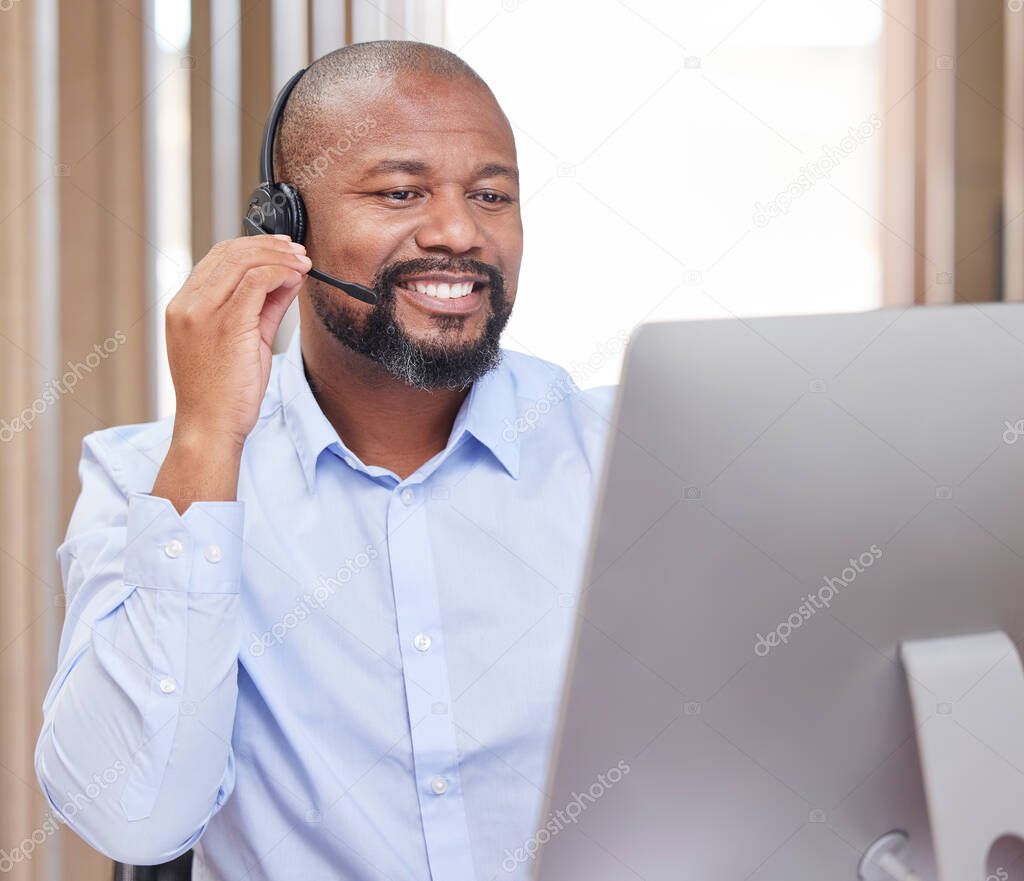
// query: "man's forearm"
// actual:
[[136, 764], [135, 749]]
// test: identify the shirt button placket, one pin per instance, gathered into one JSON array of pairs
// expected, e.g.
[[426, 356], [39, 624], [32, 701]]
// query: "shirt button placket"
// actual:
[[424, 666]]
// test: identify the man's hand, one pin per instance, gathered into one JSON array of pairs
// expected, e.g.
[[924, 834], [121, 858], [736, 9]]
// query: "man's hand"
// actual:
[[220, 332]]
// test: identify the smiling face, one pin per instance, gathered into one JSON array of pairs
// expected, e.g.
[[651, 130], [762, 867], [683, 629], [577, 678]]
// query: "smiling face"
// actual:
[[425, 209]]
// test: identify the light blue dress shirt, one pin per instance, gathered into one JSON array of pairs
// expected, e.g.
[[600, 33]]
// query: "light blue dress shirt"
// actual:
[[340, 675]]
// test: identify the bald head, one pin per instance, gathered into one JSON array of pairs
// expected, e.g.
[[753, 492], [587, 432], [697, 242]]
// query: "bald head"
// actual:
[[338, 88]]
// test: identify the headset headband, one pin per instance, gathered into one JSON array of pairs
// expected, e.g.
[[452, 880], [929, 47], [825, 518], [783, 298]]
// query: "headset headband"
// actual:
[[270, 129]]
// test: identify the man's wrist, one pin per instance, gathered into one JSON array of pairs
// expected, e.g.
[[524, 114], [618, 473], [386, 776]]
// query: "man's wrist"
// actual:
[[199, 467], [194, 439]]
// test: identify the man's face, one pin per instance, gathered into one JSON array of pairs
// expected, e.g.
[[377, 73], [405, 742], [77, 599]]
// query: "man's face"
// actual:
[[428, 197]]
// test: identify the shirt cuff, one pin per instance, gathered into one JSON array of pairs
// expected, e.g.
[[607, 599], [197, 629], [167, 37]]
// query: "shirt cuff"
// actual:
[[199, 551]]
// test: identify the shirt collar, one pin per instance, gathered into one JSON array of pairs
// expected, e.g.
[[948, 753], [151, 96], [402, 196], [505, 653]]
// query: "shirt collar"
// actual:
[[489, 413]]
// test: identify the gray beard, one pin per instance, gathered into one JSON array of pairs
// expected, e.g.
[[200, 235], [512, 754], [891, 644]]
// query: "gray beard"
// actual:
[[422, 365]]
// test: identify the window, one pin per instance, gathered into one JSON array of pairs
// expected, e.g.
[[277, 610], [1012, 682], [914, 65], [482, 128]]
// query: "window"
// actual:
[[684, 160]]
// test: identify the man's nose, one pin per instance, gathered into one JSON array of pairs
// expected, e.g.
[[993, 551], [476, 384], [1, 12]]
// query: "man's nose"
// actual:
[[449, 223]]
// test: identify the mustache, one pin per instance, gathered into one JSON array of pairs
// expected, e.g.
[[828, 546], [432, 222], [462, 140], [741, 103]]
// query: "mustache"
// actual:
[[386, 278]]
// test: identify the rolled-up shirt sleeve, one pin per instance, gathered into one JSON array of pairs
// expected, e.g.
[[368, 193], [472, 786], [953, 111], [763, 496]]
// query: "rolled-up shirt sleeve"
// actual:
[[135, 748]]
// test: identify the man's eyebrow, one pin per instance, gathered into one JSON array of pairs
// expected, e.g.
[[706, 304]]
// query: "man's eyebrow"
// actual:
[[409, 166], [496, 169], [415, 166]]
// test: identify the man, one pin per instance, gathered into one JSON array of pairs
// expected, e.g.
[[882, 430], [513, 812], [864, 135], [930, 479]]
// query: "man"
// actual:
[[317, 622]]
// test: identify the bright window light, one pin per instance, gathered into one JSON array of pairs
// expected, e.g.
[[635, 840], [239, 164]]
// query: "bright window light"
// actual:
[[684, 160]]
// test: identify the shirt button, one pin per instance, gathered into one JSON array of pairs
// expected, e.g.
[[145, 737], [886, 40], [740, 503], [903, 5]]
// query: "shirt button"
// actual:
[[173, 548], [167, 684], [439, 786], [406, 496], [422, 642], [213, 553]]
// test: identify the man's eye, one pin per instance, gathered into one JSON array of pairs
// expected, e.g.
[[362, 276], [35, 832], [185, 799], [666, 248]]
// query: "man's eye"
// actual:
[[497, 198], [403, 196]]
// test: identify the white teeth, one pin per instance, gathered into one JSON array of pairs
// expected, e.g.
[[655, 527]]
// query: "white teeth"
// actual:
[[443, 291]]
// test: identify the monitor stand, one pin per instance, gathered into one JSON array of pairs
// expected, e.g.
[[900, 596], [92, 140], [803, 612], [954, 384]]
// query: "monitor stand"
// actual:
[[967, 696]]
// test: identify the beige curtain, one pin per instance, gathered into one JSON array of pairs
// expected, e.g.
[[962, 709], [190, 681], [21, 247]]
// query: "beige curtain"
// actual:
[[76, 211], [1013, 159], [953, 187], [25, 585], [74, 344]]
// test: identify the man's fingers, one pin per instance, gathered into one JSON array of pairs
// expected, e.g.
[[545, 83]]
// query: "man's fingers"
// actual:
[[224, 281], [250, 295], [274, 308], [215, 277]]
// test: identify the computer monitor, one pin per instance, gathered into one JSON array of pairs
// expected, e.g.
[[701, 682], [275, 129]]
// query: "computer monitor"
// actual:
[[803, 605]]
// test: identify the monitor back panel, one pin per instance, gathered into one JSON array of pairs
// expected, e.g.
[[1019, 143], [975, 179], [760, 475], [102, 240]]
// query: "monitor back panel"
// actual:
[[784, 500]]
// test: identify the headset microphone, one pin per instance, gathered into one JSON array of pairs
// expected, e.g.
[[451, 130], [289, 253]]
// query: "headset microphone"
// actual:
[[275, 208]]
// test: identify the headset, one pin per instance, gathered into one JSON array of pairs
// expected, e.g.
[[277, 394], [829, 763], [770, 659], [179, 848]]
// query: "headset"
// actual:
[[276, 207]]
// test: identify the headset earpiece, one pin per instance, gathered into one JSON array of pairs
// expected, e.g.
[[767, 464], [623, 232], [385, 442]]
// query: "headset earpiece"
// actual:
[[276, 208], [296, 212]]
